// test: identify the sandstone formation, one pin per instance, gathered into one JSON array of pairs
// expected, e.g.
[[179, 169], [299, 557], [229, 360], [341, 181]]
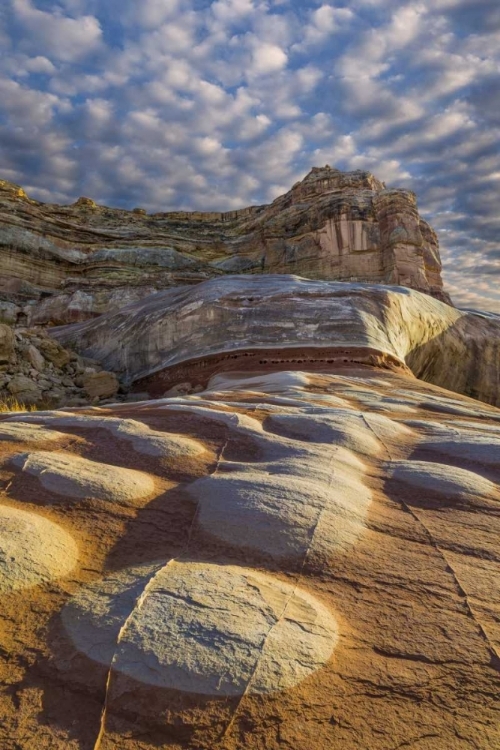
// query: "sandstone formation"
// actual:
[[291, 541], [63, 264], [277, 321], [287, 559], [37, 371]]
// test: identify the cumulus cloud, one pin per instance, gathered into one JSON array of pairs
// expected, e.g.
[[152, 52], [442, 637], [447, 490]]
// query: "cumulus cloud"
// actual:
[[216, 105], [61, 37]]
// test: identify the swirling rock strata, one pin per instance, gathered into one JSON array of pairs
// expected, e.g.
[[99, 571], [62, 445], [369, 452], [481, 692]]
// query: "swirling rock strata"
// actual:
[[277, 322], [81, 260]]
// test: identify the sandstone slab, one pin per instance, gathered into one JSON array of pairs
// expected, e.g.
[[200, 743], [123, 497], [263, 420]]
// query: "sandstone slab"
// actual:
[[206, 629], [78, 478], [280, 589], [278, 322], [33, 550]]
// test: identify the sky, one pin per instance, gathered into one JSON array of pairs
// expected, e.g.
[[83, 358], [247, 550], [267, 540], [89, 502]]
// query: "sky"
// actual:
[[192, 104]]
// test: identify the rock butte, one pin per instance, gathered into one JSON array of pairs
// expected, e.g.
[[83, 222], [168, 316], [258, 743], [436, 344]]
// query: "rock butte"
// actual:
[[299, 544], [62, 264]]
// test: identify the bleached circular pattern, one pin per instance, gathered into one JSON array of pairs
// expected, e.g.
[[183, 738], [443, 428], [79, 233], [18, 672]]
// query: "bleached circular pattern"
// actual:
[[33, 550], [203, 628], [75, 477], [347, 429], [443, 479], [283, 515], [342, 429], [22, 432], [484, 449], [143, 439]]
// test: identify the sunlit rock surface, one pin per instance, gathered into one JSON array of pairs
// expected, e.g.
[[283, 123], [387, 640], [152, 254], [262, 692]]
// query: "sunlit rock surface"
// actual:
[[279, 322], [63, 264], [287, 559]]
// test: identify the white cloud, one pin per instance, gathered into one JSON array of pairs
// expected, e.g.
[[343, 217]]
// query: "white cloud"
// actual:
[[149, 14], [39, 64], [58, 36], [266, 58], [230, 11], [323, 22]]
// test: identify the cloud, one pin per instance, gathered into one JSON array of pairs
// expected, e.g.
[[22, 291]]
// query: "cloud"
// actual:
[[217, 105], [266, 58], [60, 37]]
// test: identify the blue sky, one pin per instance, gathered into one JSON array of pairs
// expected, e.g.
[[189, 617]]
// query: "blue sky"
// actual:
[[194, 104]]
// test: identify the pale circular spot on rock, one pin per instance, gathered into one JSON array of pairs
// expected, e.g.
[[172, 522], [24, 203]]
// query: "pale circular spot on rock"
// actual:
[[442, 479], [33, 550], [283, 515], [342, 429], [483, 449], [203, 628], [143, 439], [75, 477], [22, 432]]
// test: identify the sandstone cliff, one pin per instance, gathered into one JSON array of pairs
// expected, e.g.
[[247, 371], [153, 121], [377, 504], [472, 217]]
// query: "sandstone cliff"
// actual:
[[69, 263]]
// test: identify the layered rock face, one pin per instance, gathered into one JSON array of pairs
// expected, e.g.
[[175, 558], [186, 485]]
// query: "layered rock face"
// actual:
[[62, 264], [276, 321], [285, 560]]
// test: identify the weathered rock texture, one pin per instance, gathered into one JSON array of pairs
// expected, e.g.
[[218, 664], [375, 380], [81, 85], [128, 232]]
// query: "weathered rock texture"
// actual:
[[287, 560], [270, 322], [37, 371], [70, 263]]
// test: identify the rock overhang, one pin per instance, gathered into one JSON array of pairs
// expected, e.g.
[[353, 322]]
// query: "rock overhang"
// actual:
[[261, 315], [281, 321]]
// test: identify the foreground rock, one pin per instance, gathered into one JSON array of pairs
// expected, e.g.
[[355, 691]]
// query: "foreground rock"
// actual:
[[184, 336], [63, 264], [287, 559]]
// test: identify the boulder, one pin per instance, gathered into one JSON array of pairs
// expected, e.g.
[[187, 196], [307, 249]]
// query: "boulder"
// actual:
[[7, 343], [54, 353], [100, 384], [24, 390], [36, 358], [9, 312]]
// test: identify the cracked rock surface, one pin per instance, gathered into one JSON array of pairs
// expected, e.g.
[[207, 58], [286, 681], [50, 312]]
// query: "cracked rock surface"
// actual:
[[285, 560]]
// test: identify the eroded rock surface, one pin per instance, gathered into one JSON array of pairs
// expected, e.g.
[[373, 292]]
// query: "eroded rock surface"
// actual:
[[276, 322], [63, 264], [315, 566]]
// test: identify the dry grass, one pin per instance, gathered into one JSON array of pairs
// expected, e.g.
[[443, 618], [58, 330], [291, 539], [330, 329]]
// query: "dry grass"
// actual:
[[12, 404]]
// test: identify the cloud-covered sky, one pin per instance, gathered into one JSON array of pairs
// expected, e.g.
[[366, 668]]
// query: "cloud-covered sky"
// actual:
[[206, 105]]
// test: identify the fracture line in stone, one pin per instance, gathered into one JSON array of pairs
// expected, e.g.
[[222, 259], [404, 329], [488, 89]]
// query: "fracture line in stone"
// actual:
[[138, 604], [283, 611], [494, 656]]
